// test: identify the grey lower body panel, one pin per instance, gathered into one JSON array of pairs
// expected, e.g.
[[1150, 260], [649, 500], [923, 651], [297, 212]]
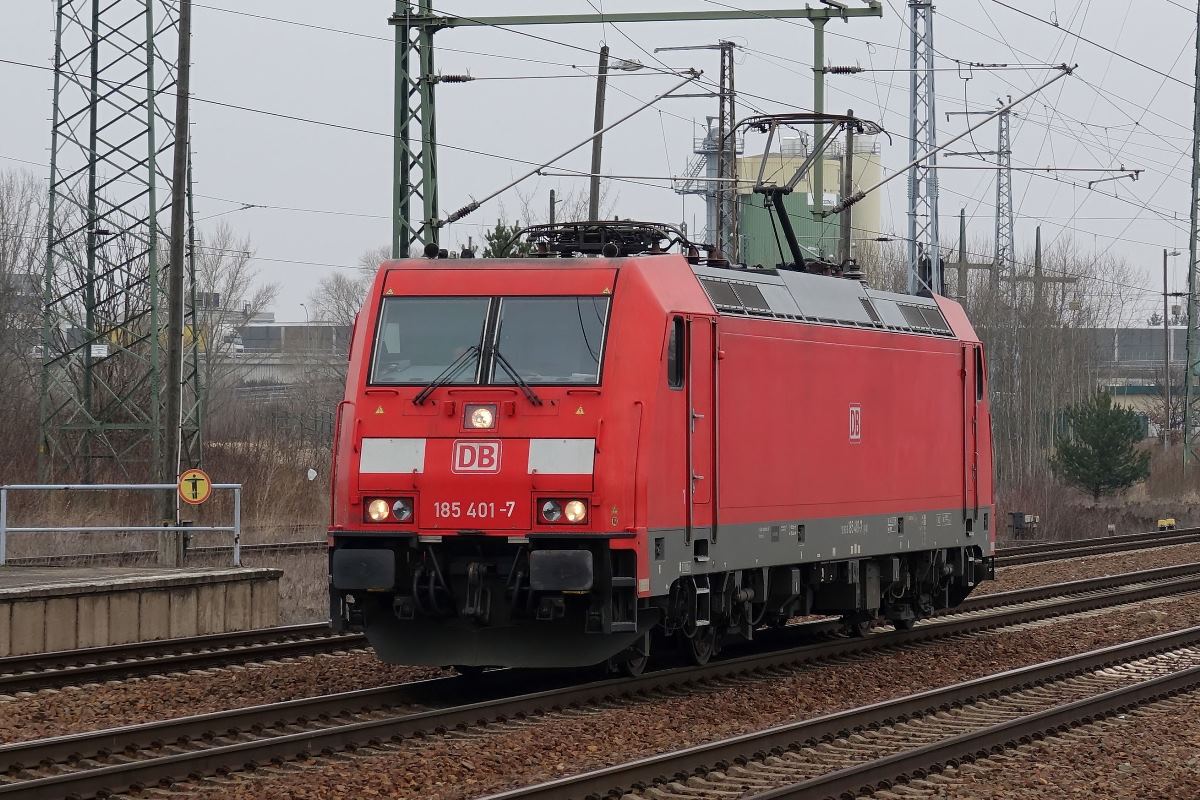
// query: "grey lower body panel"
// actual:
[[748, 546], [527, 643]]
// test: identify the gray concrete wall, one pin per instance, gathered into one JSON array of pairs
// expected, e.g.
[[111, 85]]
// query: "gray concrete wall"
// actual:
[[54, 610]]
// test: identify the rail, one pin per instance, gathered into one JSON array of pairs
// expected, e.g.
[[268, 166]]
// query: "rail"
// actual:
[[235, 529], [748, 750]]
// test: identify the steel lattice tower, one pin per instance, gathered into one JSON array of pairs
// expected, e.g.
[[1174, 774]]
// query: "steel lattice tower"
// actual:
[[717, 158], [103, 377], [416, 132], [1004, 355], [1191, 408], [726, 191], [922, 138], [1004, 207]]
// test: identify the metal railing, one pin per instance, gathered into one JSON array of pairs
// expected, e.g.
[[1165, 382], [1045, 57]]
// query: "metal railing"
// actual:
[[235, 528]]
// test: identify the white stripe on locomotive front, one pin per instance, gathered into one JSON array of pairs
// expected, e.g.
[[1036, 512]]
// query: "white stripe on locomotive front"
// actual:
[[383, 456], [562, 456], [546, 456]]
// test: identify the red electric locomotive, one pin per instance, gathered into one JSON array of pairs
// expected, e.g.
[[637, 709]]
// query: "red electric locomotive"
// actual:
[[556, 460]]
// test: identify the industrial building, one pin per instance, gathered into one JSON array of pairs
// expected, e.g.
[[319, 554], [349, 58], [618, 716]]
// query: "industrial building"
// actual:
[[760, 243], [818, 238]]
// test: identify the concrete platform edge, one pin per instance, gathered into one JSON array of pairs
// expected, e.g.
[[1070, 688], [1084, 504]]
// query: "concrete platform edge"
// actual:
[[122, 610]]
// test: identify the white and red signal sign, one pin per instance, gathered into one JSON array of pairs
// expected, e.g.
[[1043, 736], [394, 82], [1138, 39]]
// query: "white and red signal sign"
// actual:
[[476, 457]]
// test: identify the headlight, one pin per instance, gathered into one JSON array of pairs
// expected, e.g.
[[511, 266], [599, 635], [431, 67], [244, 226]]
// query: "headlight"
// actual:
[[402, 509], [480, 417], [378, 510], [552, 511], [575, 511]]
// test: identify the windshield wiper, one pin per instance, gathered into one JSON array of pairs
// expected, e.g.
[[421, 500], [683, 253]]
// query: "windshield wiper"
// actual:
[[530, 394], [447, 374]]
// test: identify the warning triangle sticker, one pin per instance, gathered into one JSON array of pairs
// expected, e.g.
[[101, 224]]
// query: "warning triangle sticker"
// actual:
[[579, 411], [379, 410]]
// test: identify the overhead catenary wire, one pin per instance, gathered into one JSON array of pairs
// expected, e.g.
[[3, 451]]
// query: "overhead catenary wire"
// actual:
[[870, 235], [308, 120], [1164, 214], [744, 94], [518, 161], [1054, 111], [859, 195], [454, 147], [474, 204], [448, 146], [510, 30], [385, 39], [1096, 44], [576, 47]]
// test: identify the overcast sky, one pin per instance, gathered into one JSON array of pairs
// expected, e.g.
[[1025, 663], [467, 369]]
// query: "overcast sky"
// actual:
[[1114, 113]]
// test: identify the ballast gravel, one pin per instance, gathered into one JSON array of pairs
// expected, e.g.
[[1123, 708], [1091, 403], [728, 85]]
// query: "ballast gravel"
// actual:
[[90, 707], [469, 764]]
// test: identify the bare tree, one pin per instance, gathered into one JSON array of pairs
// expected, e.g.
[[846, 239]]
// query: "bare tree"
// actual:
[[22, 260], [1165, 413], [229, 295], [340, 295], [886, 267], [569, 207]]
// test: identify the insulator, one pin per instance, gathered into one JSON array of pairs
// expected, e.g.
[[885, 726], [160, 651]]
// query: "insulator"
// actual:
[[453, 78], [462, 212], [842, 70]]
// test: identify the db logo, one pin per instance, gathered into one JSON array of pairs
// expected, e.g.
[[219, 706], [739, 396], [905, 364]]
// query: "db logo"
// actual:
[[476, 457], [856, 423]]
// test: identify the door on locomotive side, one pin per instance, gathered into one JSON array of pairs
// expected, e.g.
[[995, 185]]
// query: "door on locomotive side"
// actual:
[[701, 383], [973, 396]]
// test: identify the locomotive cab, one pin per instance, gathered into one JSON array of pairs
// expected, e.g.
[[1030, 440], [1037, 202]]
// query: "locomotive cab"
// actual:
[[477, 514]]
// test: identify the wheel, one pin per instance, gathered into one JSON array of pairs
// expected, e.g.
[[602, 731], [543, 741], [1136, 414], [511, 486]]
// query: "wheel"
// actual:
[[904, 624], [701, 647], [632, 661], [857, 624], [634, 666]]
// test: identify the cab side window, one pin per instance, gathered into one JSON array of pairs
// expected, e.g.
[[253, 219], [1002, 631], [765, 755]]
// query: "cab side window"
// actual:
[[978, 374], [675, 355]]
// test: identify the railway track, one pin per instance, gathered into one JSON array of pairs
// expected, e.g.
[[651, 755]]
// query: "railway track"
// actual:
[[1079, 548], [877, 746], [1005, 557], [45, 670], [89, 764]]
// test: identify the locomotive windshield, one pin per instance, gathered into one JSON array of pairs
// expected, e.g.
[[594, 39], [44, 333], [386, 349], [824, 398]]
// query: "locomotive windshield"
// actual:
[[419, 337], [544, 340], [551, 339]]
